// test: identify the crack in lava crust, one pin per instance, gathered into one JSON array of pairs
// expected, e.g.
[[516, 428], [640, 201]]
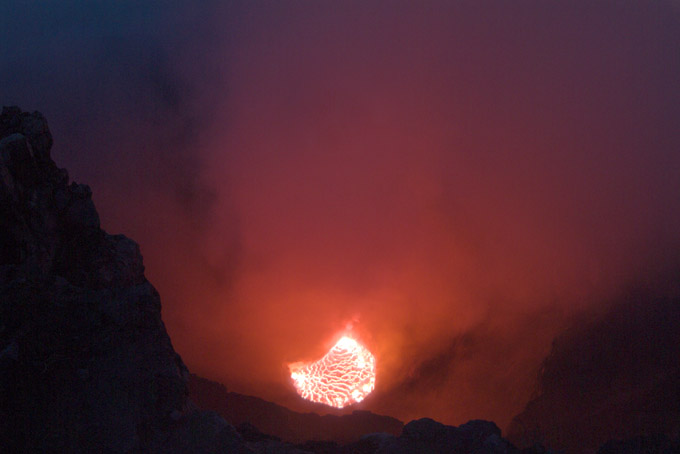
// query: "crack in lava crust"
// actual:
[[345, 375]]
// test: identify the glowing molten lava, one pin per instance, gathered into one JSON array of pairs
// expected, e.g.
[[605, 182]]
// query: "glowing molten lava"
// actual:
[[345, 375]]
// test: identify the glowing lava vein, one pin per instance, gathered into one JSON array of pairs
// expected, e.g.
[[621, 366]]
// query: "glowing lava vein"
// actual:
[[345, 375]]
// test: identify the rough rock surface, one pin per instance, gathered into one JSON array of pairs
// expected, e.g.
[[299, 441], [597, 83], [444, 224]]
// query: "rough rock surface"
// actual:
[[86, 364]]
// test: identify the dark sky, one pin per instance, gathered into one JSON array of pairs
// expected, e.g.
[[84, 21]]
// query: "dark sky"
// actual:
[[456, 181]]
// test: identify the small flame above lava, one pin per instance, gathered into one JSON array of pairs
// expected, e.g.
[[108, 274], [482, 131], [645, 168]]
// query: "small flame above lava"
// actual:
[[345, 375]]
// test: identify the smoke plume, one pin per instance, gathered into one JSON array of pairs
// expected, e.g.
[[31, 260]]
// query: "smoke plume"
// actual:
[[451, 182]]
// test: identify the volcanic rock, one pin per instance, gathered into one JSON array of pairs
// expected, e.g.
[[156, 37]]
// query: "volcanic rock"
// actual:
[[475, 436], [86, 364], [615, 376], [359, 432], [431, 437], [651, 444], [283, 423]]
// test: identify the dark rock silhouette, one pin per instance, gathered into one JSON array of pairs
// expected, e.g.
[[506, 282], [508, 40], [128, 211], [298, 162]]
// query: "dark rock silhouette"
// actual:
[[656, 444], [474, 436], [613, 377], [283, 423], [359, 432], [431, 437], [85, 362]]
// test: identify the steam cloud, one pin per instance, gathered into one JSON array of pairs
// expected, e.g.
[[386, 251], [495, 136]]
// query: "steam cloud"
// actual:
[[458, 182]]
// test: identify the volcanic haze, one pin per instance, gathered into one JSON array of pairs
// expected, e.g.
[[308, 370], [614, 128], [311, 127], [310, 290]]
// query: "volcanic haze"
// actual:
[[456, 180]]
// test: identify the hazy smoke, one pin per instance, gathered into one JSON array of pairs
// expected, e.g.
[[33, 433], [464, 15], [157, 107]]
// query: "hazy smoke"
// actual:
[[455, 181]]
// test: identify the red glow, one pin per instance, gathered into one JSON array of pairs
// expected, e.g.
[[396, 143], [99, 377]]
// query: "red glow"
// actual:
[[345, 375], [462, 178]]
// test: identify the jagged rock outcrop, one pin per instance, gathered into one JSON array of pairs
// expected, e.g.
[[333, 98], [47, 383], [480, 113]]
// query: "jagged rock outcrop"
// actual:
[[616, 376], [86, 364]]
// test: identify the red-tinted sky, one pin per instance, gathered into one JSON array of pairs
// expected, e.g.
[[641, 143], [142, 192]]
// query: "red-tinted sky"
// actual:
[[454, 180]]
